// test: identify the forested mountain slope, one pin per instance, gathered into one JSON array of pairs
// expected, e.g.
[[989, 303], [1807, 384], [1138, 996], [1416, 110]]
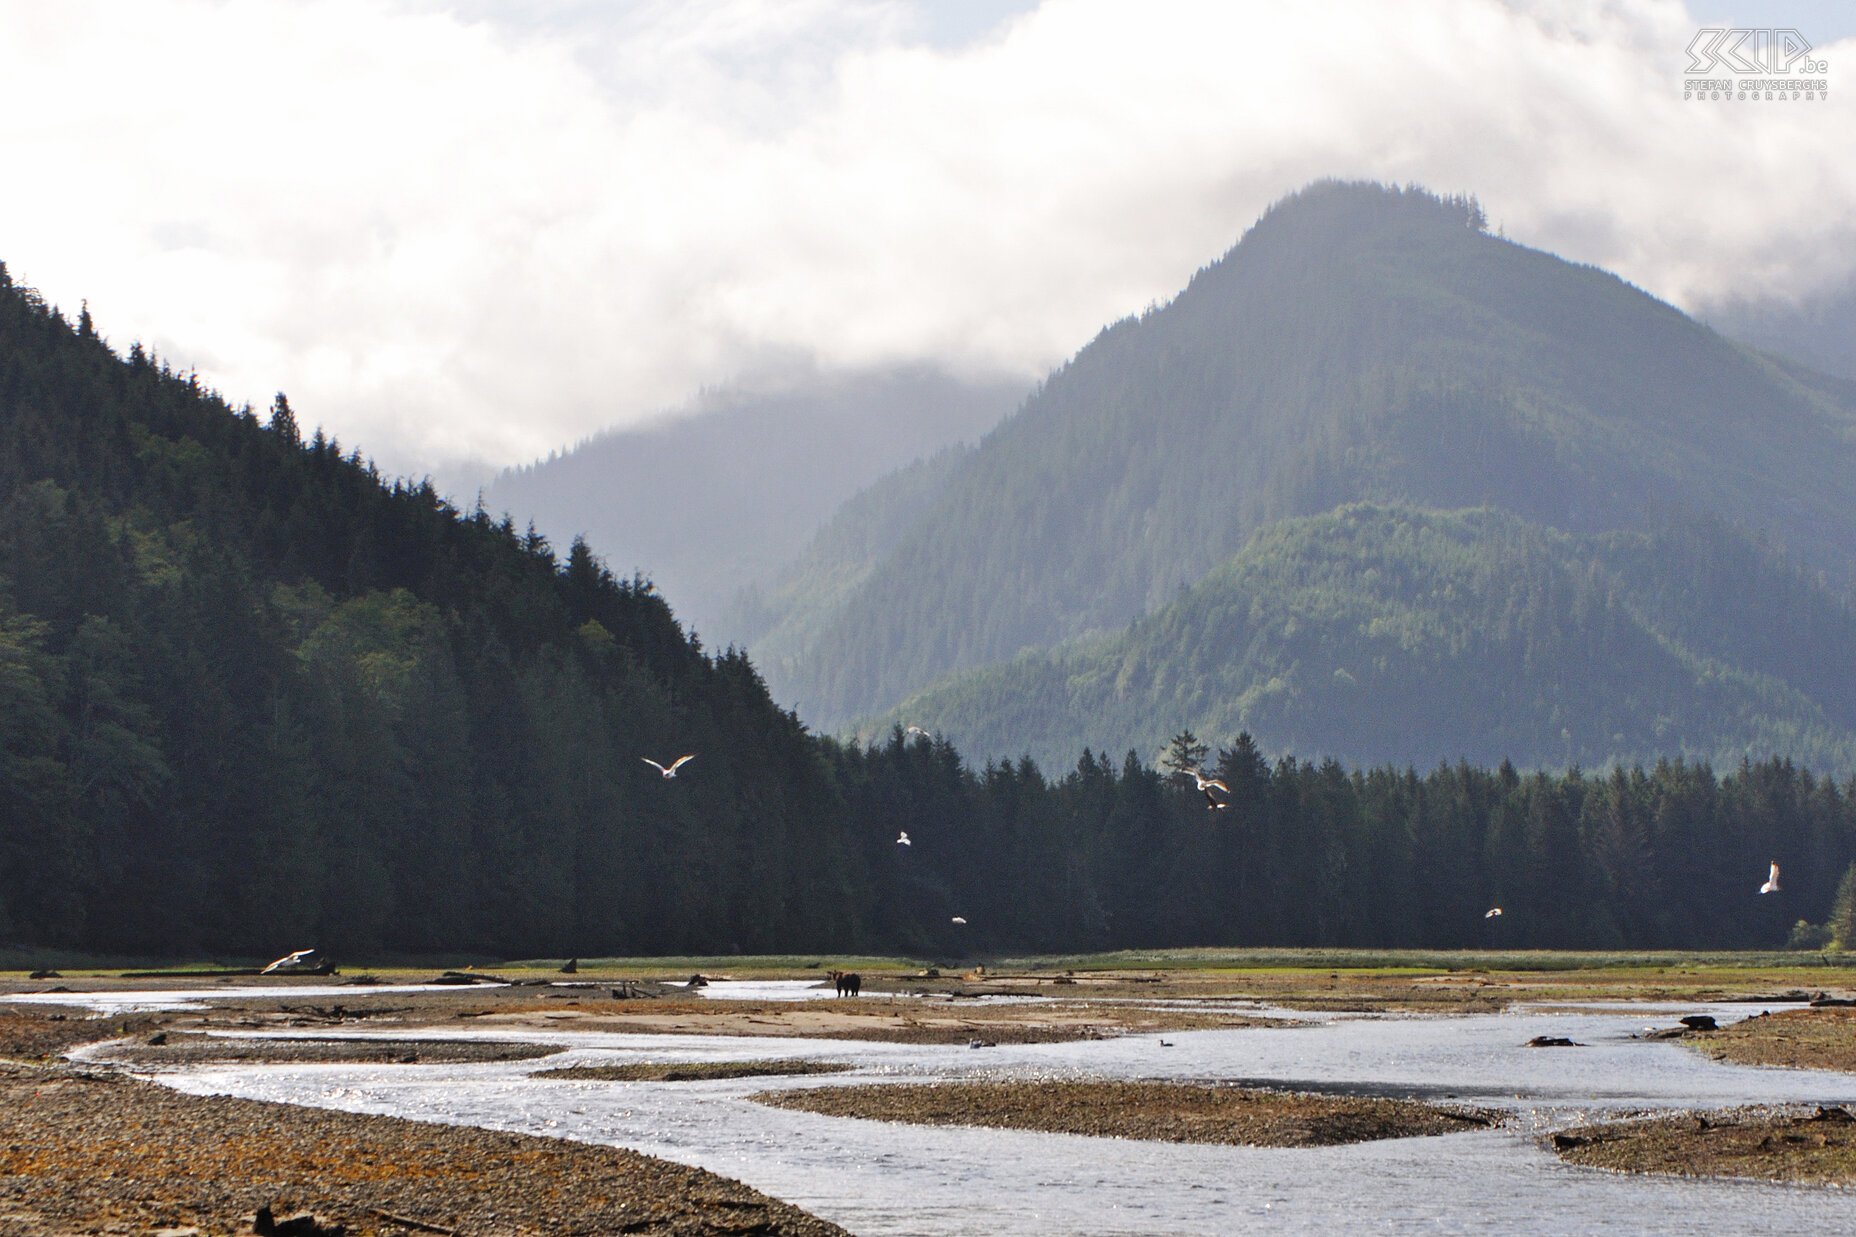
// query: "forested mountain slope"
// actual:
[[860, 535], [1359, 343], [253, 697], [1376, 633]]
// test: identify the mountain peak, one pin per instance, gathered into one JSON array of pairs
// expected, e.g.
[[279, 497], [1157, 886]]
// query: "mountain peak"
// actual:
[[1351, 214], [1361, 341], [1341, 208]]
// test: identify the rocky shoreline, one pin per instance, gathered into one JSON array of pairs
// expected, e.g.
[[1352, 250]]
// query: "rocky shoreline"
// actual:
[[1823, 1037], [83, 1151], [1815, 1146], [93, 1150]]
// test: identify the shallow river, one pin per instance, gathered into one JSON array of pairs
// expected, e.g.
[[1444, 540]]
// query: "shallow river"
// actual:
[[877, 1178]]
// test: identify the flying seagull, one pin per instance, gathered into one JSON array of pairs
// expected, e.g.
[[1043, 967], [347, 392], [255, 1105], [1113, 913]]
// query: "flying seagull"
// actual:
[[916, 730], [1206, 786], [301, 960], [902, 838], [676, 764], [1772, 881], [1494, 912], [959, 920]]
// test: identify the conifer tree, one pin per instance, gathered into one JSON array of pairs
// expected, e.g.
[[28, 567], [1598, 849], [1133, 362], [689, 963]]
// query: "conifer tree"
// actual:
[[1843, 912], [1184, 754], [283, 421]]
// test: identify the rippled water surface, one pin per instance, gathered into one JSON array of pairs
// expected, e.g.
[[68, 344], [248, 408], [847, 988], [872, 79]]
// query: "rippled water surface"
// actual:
[[198, 998], [879, 1178], [768, 990]]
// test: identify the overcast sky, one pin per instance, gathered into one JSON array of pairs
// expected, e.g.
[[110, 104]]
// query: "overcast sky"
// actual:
[[478, 231]]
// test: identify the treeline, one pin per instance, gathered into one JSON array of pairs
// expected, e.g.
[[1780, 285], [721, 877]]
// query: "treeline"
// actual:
[[254, 697], [1122, 855]]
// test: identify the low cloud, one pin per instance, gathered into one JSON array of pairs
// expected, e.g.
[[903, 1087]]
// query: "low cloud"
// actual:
[[451, 234]]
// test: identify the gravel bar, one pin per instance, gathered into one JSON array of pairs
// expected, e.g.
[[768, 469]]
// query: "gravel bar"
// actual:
[[103, 1153], [1153, 1111]]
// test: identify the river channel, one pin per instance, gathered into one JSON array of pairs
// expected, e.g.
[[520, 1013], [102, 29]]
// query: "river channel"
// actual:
[[876, 1178]]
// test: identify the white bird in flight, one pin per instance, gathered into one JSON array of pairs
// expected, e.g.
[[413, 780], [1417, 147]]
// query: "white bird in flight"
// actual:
[[676, 764], [1772, 881], [1493, 912], [916, 730], [902, 838], [1206, 786], [301, 960], [959, 920]]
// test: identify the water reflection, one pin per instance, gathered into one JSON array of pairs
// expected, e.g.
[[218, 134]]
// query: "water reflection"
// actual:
[[199, 998]]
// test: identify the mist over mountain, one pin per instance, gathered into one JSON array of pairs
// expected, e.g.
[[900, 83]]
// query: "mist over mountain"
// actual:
[[706, 502], [1361, 343], [842, 554], [1818, 332]]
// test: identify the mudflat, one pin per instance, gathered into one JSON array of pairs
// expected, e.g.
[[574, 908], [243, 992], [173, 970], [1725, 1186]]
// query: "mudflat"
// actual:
[[98, 1152], [1153, 1111], [691, 1071], [92, 1151], [1822, 1038], [1815, 1146]]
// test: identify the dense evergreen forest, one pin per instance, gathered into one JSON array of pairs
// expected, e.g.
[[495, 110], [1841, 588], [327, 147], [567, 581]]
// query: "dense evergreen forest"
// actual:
[[1122, 854], [253, 696], [1377, 633]]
